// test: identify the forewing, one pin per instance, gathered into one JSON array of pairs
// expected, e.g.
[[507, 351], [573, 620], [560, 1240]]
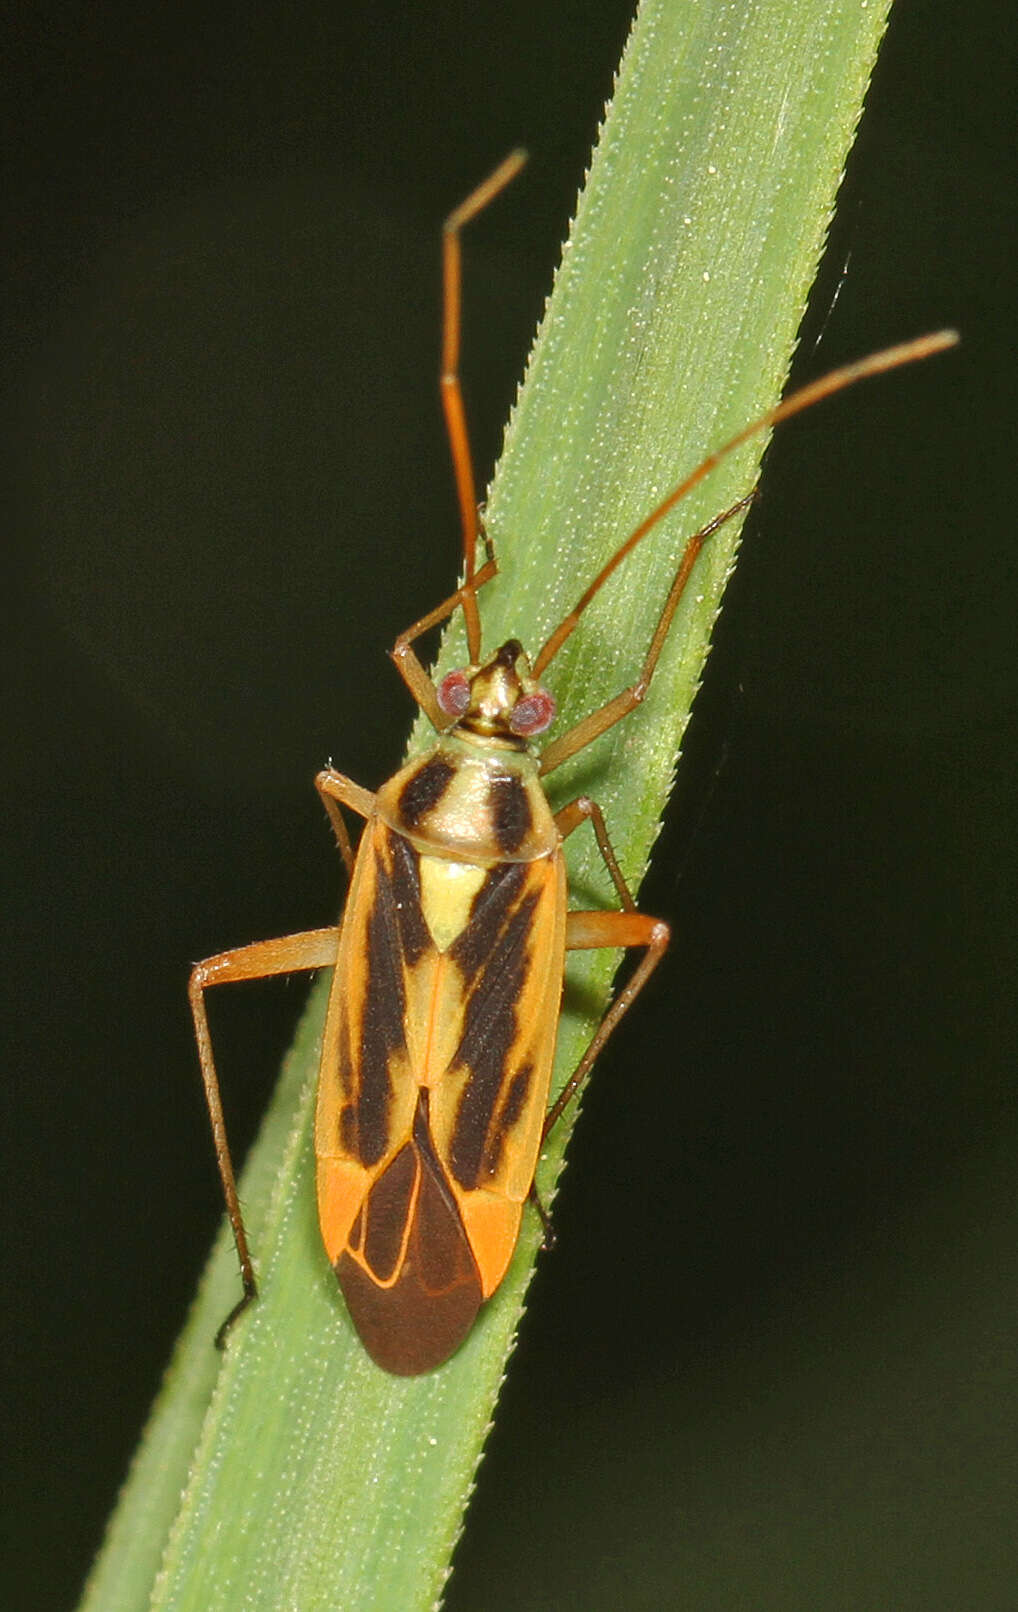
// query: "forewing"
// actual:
[[367, 1088], [502, 982]]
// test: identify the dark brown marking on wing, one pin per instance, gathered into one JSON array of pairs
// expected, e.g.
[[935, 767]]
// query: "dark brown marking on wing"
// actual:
[[508, 1114], [417, 1322], [348, 1134], [387, 1211], [511, 817], [429, 1156], [510, 1111], [488, 911], [489, 1033], [406, 897], [424, 790], [349, 1082], [382, 1022]]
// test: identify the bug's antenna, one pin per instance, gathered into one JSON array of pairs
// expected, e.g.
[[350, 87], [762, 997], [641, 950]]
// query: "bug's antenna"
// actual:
[[908, 352], [449, 381]]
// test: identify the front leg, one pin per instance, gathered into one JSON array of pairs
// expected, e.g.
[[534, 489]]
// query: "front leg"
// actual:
[[336, 790], [407, 662]]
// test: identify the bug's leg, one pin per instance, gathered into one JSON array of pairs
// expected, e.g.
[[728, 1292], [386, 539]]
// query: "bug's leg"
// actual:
[[591, 727], [587, 931], [336, 790], [407, 662], [315, 948], [592, 930], [583, 810]]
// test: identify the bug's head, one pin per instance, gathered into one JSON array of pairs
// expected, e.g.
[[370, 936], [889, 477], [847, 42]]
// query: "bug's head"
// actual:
[[498, 699]]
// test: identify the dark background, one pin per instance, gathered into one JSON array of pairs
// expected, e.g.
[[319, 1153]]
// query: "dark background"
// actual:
[[771, 1359]]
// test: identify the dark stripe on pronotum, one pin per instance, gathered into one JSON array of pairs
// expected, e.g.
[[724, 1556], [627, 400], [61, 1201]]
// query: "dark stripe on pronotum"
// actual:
[[421, 793], [511, 817]]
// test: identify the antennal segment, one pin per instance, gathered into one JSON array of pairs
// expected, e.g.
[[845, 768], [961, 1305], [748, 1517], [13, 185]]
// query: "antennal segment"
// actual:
[[908, 352], [449, 380]]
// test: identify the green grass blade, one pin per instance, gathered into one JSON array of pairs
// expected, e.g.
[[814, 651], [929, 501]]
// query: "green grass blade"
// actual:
[[316, 1480]]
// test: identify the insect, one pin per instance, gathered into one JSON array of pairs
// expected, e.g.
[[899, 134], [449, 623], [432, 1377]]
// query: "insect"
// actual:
[[433, 1092]]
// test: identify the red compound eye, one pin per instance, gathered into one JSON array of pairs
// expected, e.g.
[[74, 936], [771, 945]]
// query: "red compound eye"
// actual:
[[454, 693], [532, 714]]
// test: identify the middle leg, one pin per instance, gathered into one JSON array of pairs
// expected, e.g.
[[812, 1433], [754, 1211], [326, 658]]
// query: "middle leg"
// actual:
[[588, 931]]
